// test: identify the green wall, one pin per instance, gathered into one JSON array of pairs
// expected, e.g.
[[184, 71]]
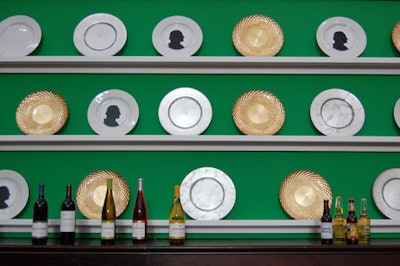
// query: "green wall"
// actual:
[[257, 175]]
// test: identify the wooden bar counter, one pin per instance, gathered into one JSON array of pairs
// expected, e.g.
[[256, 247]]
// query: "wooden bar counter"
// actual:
[[219, 252]]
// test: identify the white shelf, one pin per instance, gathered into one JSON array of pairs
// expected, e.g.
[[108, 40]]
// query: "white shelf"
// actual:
[[201, 65], [202, 227], [198, 143]]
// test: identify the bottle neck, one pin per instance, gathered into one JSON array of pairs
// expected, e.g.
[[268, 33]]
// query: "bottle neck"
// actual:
[[326, 207], [364, 209], [351, 207], [69, 191], [177, 192], [41, 191], [338, 206], [140, 184], [109, 184]]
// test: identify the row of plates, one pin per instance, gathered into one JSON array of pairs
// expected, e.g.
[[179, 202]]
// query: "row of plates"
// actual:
[[104, 34], [187, 111], [207, 193]]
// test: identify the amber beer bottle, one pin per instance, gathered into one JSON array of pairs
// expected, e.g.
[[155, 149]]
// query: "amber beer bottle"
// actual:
[[326, 225], [351, 224], [139, 216], [339, 223], [364, 224], [177, 231], [108, 217]]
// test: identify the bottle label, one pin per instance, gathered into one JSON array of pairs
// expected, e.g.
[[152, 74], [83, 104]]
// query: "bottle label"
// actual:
[[39, 229], [339, 231], [107, 230], [352, 231], [326, 230], [364, 231], [67, 223], [138, 230], [177, 230]]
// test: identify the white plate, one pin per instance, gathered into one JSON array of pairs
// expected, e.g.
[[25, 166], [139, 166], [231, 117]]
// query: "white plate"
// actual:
[[207, 193], [396, 112], [185, 111], [19, 36], [341, 37], [100, 35], [386, 193], [177, 36], [113, 113], [336, 112], [14, 193]]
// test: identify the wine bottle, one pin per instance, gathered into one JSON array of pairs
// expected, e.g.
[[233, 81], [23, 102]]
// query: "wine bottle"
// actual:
[[364, 224], [326, 225], [139, 216], [108, 217], [177, 231], [67, 219], [351, 225], [40, 219], [339, 223]]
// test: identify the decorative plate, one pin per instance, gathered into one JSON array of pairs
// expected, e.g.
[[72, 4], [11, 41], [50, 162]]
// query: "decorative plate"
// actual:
[[257, 35], [207, 193], [177, 36], [42, 113], [19, 36], [336, 112], [113, 113], [396, 112], [100, 35], [258, 112], [92, 192], [396, 36], [302, 195], [341, 37], [185, 111], [14, 194], [386, 193]]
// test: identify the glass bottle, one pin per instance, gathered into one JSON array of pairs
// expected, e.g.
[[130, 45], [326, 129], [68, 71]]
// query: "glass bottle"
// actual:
[[351, 224], [40, 219], [67, 219], [139, 216], [108, 217], [364, 224], [326, 225], [339, 223], [177, 231]]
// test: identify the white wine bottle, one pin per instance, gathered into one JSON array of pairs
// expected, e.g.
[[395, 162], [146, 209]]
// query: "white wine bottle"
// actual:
[[67, 219], [139, 216], [177, 230], [108, 217]]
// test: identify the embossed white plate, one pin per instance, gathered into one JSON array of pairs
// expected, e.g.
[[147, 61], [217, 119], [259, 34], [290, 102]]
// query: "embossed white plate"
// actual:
[[337, 112], [100, 35], [207, 193], [14, 194], [19, 36], [386, 193], [396, 112]]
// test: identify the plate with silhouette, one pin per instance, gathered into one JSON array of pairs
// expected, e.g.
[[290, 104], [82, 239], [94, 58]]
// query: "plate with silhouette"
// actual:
[[14, 194], [177, 36], [19, 36], [341, 37], [113, 113], [207, 193], [100, 34]]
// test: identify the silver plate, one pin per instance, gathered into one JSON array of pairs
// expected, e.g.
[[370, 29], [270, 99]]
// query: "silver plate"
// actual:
[[207, 193], [396, 112], [185, 111], [14, 194], [386, 193], [336, 112]]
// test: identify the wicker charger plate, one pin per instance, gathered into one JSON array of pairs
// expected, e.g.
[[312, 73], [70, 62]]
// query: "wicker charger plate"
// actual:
[[257, 35], [42, 113], [396, 36], [302, 194], [258, 112], [92, 191]]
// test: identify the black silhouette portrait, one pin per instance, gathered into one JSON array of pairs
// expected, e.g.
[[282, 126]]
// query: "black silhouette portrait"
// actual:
[[340, 39], [112, 115], [4, 195], [176, 37]]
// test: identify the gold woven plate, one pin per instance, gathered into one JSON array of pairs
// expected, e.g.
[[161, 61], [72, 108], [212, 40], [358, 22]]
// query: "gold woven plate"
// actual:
[[42, 113], [258, 112], [302, 195], [92, 191], [396, 36], [257, 35]]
